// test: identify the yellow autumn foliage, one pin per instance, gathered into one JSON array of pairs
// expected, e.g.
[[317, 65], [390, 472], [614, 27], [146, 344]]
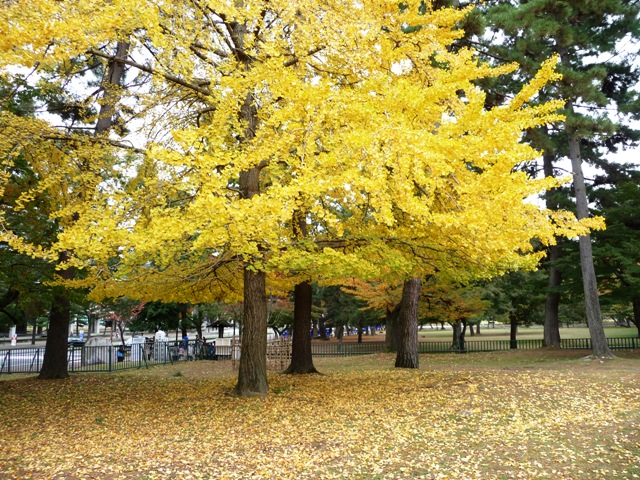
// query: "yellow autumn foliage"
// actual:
[[376, 135]]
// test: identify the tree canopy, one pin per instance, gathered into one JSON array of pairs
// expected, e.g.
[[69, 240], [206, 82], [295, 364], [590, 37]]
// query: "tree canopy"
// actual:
[[265, 143], [378, 136]]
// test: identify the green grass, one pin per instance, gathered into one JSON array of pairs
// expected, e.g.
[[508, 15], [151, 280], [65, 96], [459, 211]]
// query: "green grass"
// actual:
[[501, 332]]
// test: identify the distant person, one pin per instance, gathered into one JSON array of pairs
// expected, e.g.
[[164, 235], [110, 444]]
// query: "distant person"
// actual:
[[120, 354]]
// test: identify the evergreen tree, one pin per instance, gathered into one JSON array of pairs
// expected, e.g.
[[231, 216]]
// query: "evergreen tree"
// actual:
[[616, 250], [581, 33]]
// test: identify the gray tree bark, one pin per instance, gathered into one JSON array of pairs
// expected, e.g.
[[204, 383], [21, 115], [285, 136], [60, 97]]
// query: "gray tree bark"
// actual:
[[599, 345], [636, 314], [301, 357], [391, 337], [252, 371], [551, 335], [407, 354]]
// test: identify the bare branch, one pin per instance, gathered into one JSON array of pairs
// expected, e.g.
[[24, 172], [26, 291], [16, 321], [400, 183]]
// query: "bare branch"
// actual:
[[114, 143], [145, 68]]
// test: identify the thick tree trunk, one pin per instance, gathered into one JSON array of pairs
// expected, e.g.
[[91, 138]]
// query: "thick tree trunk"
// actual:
[[599, 346], [301, 358], [513, 333], [551, 335], [478, 328], [407, 355], [636, 314], [252, 372], [113, 80], [391, 337], [360, 326], [54, 364], [455, 336]]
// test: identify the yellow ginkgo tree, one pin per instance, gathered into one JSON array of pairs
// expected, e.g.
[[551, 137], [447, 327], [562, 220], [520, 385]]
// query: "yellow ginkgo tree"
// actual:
[[276, 142]]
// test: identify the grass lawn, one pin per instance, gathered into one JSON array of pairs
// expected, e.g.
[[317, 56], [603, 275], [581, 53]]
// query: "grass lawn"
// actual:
[[527, 414], [501, 332]]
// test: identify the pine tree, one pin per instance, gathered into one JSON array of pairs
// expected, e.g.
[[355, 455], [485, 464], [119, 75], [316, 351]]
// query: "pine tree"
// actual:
[[581, 33]]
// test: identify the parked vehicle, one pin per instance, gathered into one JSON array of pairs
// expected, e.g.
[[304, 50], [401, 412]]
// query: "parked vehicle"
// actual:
[[75, 342]]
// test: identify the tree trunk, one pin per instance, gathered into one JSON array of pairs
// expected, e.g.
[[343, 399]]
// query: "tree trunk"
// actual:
[[360, 326], [551, 335], [471, 332], [8, 298], [322, 328], [115, 77], [478, 328], [54, 364], [636, 314], [340, 332], [301, 358], [33, 331], [390, 335], [252, 372], [599, 346], [455, 336], [513, 333], [407, 355], [463, 330]]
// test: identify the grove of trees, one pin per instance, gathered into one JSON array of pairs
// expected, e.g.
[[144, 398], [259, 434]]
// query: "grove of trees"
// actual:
[[192, 152]]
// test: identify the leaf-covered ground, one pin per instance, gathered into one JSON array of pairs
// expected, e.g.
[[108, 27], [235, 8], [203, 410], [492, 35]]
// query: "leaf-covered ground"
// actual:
[[495, 416]]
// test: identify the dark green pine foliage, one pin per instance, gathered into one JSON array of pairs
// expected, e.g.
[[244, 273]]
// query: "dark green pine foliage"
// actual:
[[23, 292], [617, 249], [589, 37], [153, 316]]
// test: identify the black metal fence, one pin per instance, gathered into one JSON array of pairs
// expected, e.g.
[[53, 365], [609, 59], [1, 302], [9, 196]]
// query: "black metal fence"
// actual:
[[113, 358], [366, 348], [88, 359]]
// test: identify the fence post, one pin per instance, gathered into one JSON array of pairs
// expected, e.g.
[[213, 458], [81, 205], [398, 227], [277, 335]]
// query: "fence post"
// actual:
[[110, 347]]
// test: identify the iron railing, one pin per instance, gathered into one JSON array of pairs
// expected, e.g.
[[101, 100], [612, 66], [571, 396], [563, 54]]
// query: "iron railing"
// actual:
[[107, 359], [87, 359]]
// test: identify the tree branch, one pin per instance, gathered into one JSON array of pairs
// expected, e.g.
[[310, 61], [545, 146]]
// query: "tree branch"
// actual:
[[114, 143], [145, 68]]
